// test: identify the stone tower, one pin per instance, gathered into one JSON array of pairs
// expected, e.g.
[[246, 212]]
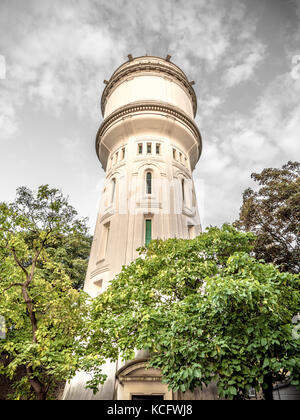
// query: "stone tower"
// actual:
[[148, 145]]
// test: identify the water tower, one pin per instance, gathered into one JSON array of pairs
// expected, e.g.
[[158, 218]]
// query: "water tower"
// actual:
[[148, 145]]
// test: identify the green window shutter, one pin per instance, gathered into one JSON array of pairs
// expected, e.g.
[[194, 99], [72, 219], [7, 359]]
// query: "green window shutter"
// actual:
[[148, 231]]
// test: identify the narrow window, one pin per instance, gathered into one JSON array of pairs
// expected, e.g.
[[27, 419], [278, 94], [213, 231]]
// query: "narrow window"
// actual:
[[182, 189], [107, 238], [104, 238], [123, 153], [113, 189], [157, 148], [149, 183], [174, 153], [180, 156], [116, 157], [148, 233], [149, 146], [140, 148]]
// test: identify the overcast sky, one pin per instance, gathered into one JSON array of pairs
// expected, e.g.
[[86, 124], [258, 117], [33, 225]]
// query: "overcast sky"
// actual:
[[243, 55]]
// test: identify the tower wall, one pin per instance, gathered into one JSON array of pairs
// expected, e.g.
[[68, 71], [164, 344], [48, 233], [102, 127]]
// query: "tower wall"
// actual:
[[148, 106]]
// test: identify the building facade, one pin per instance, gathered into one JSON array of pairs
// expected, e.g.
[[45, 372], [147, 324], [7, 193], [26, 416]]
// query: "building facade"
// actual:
[[148, 145]]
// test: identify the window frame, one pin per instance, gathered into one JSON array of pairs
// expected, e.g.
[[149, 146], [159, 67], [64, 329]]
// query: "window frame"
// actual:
[[104, 239]]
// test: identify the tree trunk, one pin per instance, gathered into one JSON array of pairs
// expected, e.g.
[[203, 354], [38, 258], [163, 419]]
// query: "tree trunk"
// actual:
[[37, 387], [31, 312], [268, 391]]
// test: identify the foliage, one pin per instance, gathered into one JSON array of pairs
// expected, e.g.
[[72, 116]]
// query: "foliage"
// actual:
[[72, 251], [206, 310], [273, 214], [45, 316]]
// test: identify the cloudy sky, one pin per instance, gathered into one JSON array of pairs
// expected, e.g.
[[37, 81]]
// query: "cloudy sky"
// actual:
[[54, 55]]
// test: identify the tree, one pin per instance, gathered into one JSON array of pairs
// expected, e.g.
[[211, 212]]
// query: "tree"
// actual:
[[73, 251], [206, 310], [273, 214], [45, 316]]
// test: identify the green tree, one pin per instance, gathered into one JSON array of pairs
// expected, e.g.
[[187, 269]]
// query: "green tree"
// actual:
[[273, 214], [73, 250], [45, 316], [206, 310]]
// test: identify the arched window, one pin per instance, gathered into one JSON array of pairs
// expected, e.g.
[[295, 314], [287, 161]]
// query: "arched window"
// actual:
[[113, 189], [149, 183]]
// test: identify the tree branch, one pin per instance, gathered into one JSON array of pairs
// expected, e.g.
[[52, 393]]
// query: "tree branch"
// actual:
[[18, 262], [33, 265], [12, 285]]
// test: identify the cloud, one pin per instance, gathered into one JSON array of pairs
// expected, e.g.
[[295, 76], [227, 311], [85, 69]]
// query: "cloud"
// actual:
[[8, 119], [238, 145], [61, 49], [58, 53], [207, 104], [244, 69], [61, 65], [2, 67], [250, 147]]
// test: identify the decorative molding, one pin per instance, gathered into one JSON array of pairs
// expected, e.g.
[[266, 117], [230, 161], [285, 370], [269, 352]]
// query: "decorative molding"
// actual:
[[124, 374], [182, 169], [149, 378], [108, 212], [154, 158], [114, 170], [144, 106], [149, 163], [188, 212], [157, 67], [149, 203], [99, 270]]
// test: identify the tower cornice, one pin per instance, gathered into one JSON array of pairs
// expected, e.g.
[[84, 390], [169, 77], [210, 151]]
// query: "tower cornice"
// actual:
[[152, 107], [132, 68]]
